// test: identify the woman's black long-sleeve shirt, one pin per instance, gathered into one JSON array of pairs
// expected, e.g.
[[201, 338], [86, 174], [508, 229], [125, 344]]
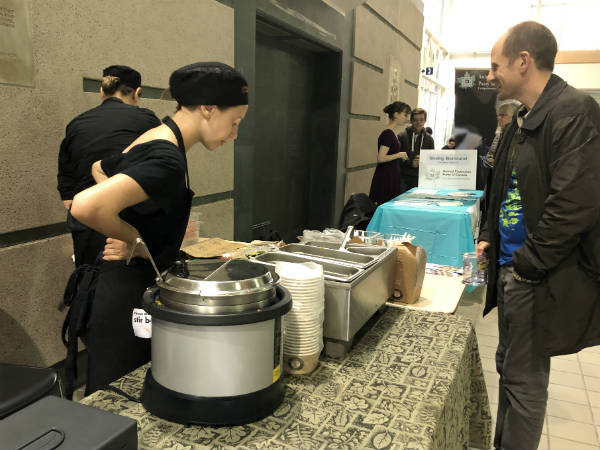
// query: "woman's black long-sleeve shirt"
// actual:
[[94, 135]]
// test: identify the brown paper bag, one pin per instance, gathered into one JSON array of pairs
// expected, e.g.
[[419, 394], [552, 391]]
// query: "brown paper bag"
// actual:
[[212, 247], [410, 271]]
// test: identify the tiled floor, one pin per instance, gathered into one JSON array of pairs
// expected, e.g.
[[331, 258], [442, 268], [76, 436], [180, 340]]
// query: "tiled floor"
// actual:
[[573, 413]]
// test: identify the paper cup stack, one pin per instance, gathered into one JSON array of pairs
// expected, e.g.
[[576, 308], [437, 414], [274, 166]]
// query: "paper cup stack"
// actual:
[[303, 325]]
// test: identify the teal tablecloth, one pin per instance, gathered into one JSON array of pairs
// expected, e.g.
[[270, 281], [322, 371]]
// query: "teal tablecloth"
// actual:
[[444, 231]]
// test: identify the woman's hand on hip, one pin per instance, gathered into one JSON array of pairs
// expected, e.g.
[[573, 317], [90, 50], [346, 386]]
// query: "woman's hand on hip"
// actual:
[[116, 250]]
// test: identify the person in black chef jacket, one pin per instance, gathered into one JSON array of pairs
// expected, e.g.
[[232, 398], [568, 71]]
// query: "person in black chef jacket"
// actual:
[[413, 139], [95, 134], [144, 192]]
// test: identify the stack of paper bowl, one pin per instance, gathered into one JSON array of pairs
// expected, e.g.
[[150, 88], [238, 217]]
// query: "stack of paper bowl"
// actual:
[[303, 325]]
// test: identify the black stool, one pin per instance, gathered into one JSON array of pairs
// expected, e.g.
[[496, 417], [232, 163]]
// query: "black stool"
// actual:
[[22, 385]]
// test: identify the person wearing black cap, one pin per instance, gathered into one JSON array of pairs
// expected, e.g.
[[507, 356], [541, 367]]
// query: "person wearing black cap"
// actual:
[[144, 192], [97, 133]]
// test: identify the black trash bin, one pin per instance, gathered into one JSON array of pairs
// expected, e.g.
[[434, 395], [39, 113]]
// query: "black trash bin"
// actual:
[[53, 423], [22, 385]]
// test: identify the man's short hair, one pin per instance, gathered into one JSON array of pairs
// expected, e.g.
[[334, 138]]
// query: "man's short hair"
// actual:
[[418, 111], [532, 37]]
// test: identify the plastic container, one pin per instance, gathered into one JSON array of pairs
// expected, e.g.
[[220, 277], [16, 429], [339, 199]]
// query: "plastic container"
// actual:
[[369, 237], [192, 232], [474, 269]]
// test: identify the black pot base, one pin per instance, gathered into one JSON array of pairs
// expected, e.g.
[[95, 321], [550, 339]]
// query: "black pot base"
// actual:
[[216, 411]]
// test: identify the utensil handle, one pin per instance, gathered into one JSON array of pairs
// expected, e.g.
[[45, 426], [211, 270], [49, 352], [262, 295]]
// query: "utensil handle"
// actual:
[[140, 241], [347, 237]]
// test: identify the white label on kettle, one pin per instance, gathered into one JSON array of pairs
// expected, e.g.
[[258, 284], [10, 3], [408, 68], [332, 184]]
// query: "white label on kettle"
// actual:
[[142, 323]]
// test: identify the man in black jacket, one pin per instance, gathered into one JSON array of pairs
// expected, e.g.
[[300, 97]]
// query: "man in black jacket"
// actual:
[[412, 141], [542, 235]]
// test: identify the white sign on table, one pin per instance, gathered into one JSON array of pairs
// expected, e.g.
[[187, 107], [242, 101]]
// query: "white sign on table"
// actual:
[[448, 169]]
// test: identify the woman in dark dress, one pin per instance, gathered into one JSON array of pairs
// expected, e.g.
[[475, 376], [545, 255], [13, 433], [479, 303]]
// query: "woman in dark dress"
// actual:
[[387, 179], [144, 192]]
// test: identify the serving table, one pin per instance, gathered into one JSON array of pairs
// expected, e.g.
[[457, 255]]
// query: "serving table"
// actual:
[[444, 222], [413, 380]]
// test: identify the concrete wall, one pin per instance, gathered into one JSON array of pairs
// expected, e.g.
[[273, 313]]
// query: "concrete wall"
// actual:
[[581, 76], [32, 280], [387, 43], [72, 40]]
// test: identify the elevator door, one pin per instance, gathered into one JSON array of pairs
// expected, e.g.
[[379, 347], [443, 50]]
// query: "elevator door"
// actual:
[[284, 78]]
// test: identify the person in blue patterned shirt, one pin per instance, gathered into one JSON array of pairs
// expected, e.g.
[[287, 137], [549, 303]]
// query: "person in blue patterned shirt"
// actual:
[[542, 233]]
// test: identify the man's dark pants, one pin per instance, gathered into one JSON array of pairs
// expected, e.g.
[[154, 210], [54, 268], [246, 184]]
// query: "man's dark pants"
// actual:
[[524, 369]]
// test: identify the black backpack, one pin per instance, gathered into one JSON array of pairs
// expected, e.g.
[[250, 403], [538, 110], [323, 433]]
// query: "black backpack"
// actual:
[[79, 295], [357, 212], [263, 231]]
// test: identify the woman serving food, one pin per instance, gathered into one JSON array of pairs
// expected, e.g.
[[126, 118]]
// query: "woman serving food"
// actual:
[[144, 193]]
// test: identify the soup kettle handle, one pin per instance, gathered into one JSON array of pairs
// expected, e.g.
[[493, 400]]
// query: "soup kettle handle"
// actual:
[[149, 296]]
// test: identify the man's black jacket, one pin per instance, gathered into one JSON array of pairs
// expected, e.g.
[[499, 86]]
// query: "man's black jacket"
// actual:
[[556, 157], [406, 139]]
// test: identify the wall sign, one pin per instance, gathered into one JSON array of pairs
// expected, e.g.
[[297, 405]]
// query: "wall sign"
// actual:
[[475, 108], [395, 79], [16, 52], [448, 169]]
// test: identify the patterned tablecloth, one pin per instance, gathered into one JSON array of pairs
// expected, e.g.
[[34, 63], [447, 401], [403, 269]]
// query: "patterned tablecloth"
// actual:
[[413, 380]]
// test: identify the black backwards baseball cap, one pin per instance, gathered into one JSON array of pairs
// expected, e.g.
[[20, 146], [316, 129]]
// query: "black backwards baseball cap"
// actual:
[[126, 75], [208, 83]]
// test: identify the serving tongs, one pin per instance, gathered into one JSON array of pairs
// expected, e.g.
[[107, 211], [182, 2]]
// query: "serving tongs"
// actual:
[[139, 241]]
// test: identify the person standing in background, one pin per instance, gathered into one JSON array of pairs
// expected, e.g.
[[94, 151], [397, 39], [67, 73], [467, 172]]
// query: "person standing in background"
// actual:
[[451, 145], [483, 168], [413, 140], [504, 113], [96, 134], [387, 179], [542, 234]]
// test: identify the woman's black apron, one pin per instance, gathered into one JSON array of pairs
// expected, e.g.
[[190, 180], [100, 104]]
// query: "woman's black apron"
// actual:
[[87, 243], [113, 349]]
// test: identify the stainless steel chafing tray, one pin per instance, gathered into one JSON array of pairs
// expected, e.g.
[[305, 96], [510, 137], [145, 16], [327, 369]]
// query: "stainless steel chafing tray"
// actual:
[[352, 293], [331, 271], [362, 249], [339, 256]]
